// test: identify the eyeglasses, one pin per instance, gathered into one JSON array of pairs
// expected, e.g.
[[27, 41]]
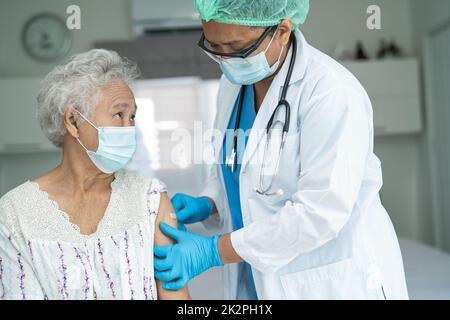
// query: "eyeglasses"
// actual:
[[206, 46]]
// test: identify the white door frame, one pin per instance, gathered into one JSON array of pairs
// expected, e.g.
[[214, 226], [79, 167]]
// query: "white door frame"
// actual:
[[433, 137]]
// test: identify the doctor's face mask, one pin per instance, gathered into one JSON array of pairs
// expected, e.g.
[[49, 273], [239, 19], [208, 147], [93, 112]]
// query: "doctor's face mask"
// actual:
[[246, 67], [246, 71]]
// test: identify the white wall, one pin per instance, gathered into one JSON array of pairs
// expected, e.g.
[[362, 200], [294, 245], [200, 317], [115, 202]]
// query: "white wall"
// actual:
[[100, 20], [3, 189], [329, 20], [401, 189], [426, 16], [344, 21], [16, 169]]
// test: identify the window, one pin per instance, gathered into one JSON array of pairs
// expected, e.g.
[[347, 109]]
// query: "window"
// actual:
[[171, 114]]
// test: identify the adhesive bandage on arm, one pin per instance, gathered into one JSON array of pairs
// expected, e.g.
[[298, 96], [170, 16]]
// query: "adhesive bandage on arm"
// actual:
[[173, 215]]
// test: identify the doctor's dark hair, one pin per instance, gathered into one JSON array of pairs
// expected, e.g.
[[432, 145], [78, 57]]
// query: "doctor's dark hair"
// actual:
[[78, 84]]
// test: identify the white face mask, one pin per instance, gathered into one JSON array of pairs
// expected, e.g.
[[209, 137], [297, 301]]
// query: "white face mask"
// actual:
[[246, 71], [116, 147]]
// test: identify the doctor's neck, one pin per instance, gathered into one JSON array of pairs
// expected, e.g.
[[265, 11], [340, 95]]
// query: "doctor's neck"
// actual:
[[262, 87]]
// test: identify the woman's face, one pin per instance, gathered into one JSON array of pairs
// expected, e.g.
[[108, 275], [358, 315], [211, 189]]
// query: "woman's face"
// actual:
[[116, 108]]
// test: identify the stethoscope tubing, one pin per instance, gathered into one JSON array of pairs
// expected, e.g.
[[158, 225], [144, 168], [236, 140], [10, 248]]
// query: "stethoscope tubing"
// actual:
[[281, 103]]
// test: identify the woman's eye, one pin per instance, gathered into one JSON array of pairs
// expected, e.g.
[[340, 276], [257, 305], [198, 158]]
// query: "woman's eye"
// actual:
[[119, 114], [133, 117]]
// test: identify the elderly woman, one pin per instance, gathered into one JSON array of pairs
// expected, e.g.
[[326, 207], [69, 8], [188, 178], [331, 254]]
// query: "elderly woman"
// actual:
[[86, 229]]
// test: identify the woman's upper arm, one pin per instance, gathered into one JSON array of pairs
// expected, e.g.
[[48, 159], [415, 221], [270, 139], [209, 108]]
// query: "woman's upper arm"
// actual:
[[167, 215]]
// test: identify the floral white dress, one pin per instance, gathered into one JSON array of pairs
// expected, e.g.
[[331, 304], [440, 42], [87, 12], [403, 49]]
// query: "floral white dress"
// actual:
[[44, 256]]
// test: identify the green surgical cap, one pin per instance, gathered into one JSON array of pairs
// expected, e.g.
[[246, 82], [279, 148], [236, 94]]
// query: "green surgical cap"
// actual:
[[258, 13]]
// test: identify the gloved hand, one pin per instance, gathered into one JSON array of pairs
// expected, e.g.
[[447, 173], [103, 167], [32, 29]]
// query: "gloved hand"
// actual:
[[190, 209], [193, 254]]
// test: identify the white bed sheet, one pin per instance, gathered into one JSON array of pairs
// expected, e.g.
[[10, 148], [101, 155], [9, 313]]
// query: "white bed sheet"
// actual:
[[427, 271]]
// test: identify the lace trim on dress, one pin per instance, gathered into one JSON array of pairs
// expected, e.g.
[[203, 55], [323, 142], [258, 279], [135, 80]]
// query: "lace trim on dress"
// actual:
[[132, 202], [54, 205]]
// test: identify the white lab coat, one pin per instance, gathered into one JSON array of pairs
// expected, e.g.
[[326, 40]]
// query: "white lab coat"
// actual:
[[327, 236]]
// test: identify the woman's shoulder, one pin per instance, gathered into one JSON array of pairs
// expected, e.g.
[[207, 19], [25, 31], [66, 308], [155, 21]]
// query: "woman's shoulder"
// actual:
[[137, 195], [135, 181], [18, 195], [14, 202]]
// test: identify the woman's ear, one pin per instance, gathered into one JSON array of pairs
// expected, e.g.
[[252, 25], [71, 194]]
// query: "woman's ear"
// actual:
[[284, 31], [71, 120]]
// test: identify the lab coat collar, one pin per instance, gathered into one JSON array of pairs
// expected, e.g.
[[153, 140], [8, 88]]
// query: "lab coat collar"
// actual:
[[273, 95], [300, 62]]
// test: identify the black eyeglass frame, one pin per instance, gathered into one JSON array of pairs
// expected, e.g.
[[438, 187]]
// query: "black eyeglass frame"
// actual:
[[240, 54]]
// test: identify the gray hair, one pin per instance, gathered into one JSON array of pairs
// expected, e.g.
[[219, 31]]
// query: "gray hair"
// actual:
[[78, 84]]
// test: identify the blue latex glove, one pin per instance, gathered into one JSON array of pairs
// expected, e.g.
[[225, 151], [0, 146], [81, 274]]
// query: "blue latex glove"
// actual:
[[193, 254], [181, 227], [190, 209]]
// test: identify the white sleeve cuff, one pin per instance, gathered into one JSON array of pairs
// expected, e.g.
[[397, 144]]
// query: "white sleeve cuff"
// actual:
[[244, 251], [215, 221]]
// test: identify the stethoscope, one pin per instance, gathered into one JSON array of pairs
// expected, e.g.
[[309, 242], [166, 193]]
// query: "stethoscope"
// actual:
[[230, 161]]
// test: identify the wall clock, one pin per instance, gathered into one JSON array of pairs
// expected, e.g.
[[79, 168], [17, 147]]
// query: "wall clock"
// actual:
[[46, 38]]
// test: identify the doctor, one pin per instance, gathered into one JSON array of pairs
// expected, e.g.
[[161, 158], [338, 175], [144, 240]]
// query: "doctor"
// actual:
[[295, 202]]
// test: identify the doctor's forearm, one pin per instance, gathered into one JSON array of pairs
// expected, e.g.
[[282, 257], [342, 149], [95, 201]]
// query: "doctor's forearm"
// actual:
[[226, 250], [224, 245]]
